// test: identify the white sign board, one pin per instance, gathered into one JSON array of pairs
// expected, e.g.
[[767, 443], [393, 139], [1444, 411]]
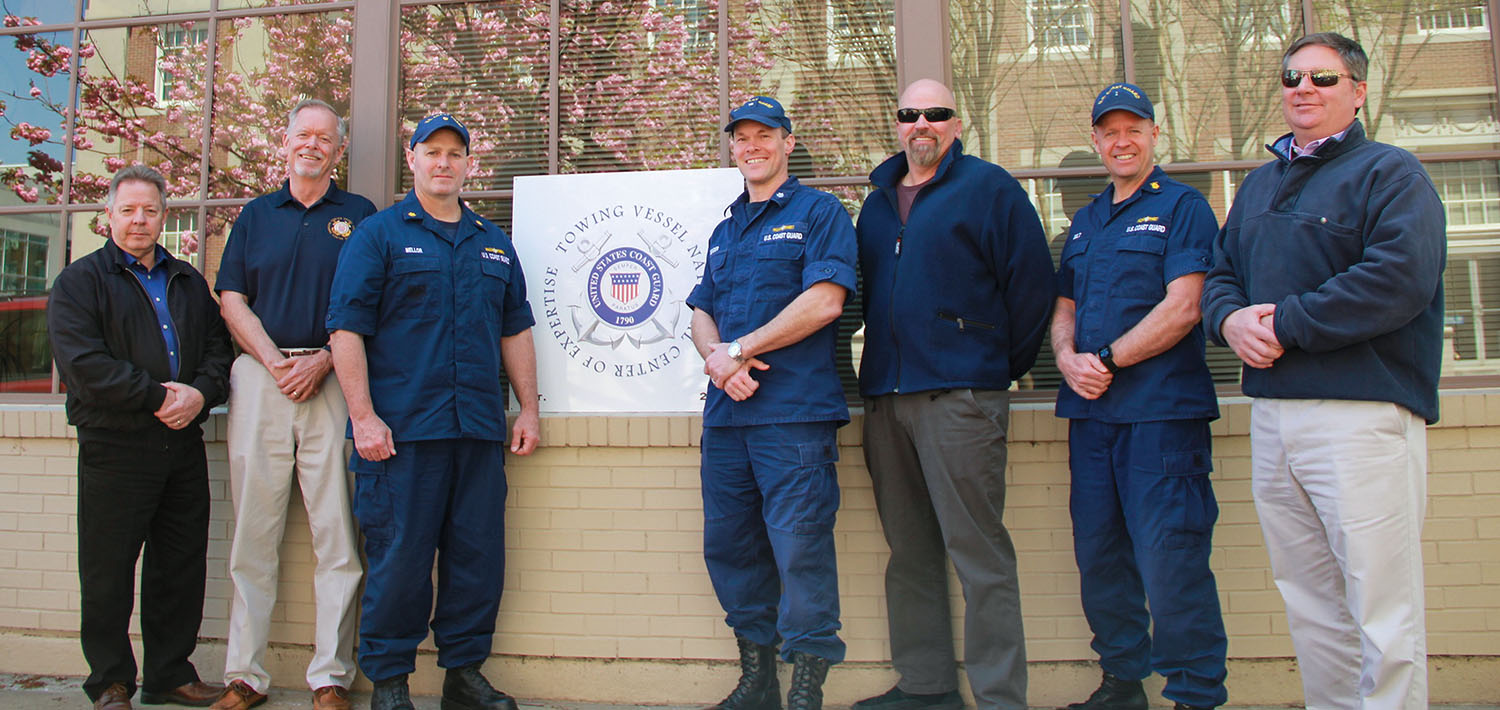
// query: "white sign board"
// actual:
[[610, 259]]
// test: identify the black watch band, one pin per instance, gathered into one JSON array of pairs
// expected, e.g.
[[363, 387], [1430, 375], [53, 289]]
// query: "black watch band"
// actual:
[[1107, 357]]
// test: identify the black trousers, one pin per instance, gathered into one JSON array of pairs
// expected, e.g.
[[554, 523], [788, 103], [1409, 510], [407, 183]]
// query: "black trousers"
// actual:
[[145, 488]]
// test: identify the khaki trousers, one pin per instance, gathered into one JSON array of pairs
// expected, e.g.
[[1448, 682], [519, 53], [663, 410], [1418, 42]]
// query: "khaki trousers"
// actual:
[[273, 445], [1340, 487]]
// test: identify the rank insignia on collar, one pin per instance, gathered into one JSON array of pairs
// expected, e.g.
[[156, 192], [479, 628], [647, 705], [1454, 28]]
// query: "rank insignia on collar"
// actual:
[[1155, 185], [340, 227]]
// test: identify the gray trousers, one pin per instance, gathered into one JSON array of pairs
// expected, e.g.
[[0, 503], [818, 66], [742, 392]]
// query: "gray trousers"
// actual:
[[937, 461]]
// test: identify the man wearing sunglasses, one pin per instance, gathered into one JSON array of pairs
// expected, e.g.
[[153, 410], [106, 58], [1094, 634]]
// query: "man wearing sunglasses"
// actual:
[[1327, 282], [1139, 398], [765, 319], [958, 286]]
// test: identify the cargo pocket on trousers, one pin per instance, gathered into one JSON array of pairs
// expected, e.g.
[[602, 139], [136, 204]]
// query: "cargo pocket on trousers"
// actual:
[[819, 500], [372, 499], [1185, 481]]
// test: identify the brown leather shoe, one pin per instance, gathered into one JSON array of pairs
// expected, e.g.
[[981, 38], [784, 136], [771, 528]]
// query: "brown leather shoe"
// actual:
[[238, 696], [195, 694], [115, 697], [331, 697]]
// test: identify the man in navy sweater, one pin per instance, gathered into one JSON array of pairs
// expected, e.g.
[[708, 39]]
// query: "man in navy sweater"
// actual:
[[1327, 282], [958, 287]]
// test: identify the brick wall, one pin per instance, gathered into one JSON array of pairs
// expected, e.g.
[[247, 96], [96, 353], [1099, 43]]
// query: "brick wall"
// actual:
[[605, 560]]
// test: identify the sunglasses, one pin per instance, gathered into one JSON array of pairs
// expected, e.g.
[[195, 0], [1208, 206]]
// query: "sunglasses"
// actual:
[[1292, 78], [935, 114]]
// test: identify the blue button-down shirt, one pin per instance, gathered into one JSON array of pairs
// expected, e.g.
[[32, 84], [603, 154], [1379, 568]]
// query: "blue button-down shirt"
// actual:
[[1116, 265], [281, 256], [432, 310], [155, 283], [760, 258]]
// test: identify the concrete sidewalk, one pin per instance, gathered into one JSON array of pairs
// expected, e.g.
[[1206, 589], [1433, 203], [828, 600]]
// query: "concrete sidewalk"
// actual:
[[36, 692]]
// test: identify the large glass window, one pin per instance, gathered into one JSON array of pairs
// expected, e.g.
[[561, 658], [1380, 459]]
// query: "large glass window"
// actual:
[[140, 86]]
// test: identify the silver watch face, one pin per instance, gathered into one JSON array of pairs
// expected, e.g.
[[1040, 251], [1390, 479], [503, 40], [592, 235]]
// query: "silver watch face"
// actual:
[[735, 350]]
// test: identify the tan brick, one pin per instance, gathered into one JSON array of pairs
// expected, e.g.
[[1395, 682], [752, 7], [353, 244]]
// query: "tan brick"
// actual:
[[1443, 620], [548, 581], [598, 431], [650, 648], [611, 498], [683, 626], [1467, 551], [537, 644]]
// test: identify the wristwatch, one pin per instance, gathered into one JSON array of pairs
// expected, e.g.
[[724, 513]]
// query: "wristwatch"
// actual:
[[1107, 357], [736, 352]]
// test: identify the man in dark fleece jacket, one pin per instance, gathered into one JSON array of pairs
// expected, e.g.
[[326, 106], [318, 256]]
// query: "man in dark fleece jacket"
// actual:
[[958, 286], [144, 355], [1327, 282]]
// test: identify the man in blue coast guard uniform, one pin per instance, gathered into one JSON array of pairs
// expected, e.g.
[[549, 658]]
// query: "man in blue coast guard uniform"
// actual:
[[1139, 398], [780, 268], [428, 305]]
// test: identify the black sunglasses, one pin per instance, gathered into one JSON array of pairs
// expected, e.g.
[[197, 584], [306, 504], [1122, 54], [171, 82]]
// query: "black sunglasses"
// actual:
[[935, 114], [1291, 78]]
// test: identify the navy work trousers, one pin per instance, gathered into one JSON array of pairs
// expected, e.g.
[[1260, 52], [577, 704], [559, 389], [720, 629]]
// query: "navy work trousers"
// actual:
[[443, 498], [770, 494], [1143, 516]]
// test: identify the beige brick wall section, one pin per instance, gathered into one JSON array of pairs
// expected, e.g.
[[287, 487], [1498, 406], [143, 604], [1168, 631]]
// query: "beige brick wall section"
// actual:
[[604, 537]]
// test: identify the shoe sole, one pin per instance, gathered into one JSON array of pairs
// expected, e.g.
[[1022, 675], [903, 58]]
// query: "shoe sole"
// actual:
[[154, 699], [447, 704], [908, 705]]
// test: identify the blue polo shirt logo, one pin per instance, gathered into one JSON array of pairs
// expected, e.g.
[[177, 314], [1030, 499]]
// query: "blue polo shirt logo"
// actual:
[[340, 227]]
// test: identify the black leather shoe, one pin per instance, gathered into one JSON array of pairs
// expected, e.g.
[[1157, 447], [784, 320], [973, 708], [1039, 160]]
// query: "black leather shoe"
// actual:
[[467, 689], [1185, 706], [1114, 693], [758, 688], [898, 699], [391, 694], [808, 674]]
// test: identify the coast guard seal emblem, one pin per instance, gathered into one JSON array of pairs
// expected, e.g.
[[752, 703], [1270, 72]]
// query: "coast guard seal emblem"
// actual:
[[340, 227]]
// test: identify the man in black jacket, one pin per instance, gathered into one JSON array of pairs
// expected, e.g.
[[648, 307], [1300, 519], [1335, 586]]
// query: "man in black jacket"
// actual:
[[144, 354]]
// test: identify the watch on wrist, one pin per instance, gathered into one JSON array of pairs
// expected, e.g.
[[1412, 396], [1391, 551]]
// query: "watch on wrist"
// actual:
[[1107, 356], [736, 351]]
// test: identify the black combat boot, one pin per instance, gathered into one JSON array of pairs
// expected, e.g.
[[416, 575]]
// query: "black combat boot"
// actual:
[[1114, 694], [758, 688], [465, 688], [808, 672], [391, 694]]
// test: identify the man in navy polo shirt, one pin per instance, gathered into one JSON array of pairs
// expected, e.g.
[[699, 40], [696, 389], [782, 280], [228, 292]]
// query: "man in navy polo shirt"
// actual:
[[286, 412], [1139, 398], [780, 268], [427, 306]]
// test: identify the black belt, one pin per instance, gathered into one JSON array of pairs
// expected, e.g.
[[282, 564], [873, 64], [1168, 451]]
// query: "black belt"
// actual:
[[300, 352]]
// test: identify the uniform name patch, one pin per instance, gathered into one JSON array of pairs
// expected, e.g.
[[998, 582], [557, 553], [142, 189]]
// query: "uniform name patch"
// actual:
[[1147, 227], [776, 236], [414, 250], [495, 255]]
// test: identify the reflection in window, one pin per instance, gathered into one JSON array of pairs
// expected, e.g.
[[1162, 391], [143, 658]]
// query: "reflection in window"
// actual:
[[1060, 24], [1458, 19], [697, 18], [174, 43], [1470, 193], [23, 262]]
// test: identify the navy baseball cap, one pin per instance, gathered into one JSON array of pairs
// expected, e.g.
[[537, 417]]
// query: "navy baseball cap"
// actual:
[[436, 122], [761, 109], [1123, 97]]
